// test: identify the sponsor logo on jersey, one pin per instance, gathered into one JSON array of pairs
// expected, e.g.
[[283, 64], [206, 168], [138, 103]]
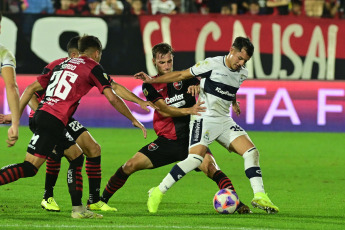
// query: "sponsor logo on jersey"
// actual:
[[152, 147], [173, 99], [68, 66], [219, 90], [145, 92], [178, 85]]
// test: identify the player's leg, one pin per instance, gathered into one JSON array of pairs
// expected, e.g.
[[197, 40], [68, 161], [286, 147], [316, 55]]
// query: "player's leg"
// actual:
[[212, 170], [138, 162], [92, 151], [75, 183], [28, 168], [199, 140], [53, 165]]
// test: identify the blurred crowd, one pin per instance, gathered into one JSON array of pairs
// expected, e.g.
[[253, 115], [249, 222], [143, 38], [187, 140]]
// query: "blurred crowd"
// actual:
[[309, 8]]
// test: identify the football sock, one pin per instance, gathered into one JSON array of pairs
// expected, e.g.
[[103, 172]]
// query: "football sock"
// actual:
[[11, 173], [222, 180], [75, 180], [114, 184], [179, 170], [252, 169], [52, 173], [94, 174]]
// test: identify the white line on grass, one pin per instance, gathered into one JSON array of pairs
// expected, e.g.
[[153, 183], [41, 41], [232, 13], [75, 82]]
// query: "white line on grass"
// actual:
[[125, 226]]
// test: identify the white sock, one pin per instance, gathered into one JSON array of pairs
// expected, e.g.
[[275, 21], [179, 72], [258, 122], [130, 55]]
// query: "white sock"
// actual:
[[252, 170], [179, 170]]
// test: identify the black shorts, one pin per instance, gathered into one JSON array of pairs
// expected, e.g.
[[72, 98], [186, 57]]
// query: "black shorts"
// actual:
[[163, 151], [48, 132], [75, 128]]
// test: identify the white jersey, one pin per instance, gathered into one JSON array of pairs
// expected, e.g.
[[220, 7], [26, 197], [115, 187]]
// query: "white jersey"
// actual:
[[6, 58], [218, 86]]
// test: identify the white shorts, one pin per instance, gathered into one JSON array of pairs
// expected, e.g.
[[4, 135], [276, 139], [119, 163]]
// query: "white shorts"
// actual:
[[205, 131]]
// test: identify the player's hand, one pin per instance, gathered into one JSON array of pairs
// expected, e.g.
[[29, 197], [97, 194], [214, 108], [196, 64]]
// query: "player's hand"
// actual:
[[5, 118], [137, 123], [236, 108], [144, 104], [194, 90], [143, 76], [12, 136], [197, 108]]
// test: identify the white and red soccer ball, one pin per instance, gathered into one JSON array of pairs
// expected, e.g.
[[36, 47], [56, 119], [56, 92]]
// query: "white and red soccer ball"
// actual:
[[225, 201]]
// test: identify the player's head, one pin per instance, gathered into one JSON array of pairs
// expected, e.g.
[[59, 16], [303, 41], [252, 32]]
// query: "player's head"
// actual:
[[241, 51], [72, 47], [91, 47], [162, 59]]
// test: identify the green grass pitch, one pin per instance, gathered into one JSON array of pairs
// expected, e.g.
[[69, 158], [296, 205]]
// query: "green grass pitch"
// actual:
[[303, 174]]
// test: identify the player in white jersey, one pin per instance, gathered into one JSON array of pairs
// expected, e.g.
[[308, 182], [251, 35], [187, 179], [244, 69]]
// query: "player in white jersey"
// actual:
[[7, 66], [221, 78]]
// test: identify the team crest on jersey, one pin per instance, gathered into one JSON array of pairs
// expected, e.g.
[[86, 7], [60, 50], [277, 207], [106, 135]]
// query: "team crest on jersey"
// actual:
[[178, 85], [152, 147], [242, 77], [145, 92], [207, 135]]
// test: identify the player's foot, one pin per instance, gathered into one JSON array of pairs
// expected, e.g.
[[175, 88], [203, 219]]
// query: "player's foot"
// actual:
[[155, 198], [80, 212], [262, 201], [50, 205], [100, 206], [243, 209]]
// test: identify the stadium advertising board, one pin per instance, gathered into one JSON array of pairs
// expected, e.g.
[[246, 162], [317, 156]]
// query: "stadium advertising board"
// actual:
[[266, 105], [285, 47]]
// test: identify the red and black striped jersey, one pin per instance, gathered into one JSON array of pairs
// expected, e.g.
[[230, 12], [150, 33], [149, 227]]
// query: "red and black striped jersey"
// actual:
[[68, 82], [174, 94]]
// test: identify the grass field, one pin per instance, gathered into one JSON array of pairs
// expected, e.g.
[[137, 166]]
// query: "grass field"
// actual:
[[303, 174]]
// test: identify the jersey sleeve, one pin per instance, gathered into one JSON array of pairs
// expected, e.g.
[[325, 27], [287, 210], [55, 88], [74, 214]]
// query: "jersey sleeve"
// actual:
[[202, 68], [100, 78], [7, 59], [151, 93], [44, 79]]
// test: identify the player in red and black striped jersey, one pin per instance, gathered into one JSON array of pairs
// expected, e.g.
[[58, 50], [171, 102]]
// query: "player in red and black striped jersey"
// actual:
[[176, 102], [65, 85]]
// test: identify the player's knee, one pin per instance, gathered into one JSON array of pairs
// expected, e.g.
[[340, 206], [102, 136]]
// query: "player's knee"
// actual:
[[130, 167], [93, 150], [29, 169]]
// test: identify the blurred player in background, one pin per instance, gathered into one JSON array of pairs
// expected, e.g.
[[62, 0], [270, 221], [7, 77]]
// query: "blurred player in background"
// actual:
[[8, 73], [176, 102], [221, 77], [87, 143], [65, 85]]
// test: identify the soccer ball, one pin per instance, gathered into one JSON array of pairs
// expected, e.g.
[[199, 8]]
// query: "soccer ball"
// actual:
[[225, 201]]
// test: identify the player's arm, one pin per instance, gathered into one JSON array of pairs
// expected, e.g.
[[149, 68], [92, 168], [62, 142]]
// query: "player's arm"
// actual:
[[33, 103], [169, 111], [120, 106], [12, 93], [28, 94], [124, 93], [166, 78], [236, 106]]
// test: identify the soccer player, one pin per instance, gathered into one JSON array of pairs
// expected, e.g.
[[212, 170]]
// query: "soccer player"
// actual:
[[86, 142], [221, 77], [171, 124], [65, 85], [7, 67]]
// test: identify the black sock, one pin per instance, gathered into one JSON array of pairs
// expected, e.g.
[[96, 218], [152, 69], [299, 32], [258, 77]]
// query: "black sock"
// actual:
[[114, 184], [75, 180], [94, 174], [52, 173], [11, 173]]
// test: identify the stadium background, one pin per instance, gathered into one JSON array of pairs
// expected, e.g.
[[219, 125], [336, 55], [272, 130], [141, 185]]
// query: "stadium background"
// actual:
[[298, 67]]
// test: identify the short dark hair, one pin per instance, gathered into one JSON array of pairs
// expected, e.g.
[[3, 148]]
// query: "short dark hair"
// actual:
[[73, 43], [244, 43], [87, 42], [162, 48]]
